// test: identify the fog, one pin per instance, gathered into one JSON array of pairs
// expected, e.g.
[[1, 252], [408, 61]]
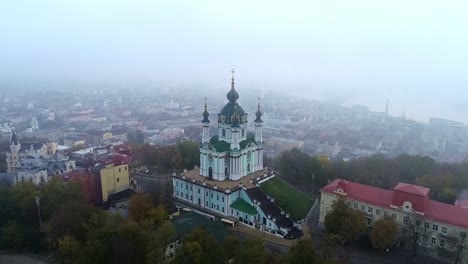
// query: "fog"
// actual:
[[413, 53]]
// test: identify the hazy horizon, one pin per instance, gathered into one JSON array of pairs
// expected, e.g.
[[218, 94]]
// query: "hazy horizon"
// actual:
[[413, 53]]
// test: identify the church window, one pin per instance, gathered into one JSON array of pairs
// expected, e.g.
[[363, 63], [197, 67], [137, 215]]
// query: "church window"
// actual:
[[222, 199], [211, 195], [248, 167], [217, 197], [206, 194], [186, 196], [232, 211], [217, 207], [198, 190], [222, 209], [177, 193], [206, 203], [224, 132]]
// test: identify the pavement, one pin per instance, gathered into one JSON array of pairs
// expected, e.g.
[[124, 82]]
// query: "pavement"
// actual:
[[272, 242], [21, 259]]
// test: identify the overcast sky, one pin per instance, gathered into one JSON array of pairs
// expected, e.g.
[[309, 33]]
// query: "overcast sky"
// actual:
[[415, 53]]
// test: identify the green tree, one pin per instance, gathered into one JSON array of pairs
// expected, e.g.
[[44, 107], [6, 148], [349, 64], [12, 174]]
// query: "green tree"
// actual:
[[384, 233], [190, 152], [69, 250], [349, 224], [159, 241], [252, 252], [303, 252], [447, 195], [139, 206], [13, 236], [69, 220], [232, 247], [199, 247]]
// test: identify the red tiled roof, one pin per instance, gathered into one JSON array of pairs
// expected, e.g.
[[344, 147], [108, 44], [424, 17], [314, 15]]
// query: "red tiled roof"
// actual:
[[410, 188], [362, 192], [462, 203], [447, 213], [417, 195]]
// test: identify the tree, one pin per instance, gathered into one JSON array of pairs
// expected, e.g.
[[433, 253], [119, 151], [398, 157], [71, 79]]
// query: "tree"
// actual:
[[384, 233], [355, 225], [69, 220], [303, 252], [69, 250], [199, 247], [335, 220], [347, 223], [160, 239], [414, 231], [447, 195], [139, 206], [155, 216], [13, 236], [190, 152], [232, 246], [252, 251]]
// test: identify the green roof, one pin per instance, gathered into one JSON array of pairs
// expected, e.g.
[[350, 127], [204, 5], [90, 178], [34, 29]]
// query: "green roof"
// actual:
[[219, 145], [187, 222], [222, 146], [243, 143], [244, 206]]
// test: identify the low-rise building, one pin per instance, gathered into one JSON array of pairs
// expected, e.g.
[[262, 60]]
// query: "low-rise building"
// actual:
[[443, 226]]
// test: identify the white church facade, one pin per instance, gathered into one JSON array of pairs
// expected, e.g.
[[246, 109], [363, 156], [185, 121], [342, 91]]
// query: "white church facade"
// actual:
[[232, 153], [226, 185]]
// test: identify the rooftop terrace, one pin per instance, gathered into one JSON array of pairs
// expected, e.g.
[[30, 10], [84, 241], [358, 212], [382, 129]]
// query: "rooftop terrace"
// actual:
[[247, 181]]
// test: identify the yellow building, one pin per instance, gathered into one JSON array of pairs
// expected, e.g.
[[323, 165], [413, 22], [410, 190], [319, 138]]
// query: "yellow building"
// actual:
[[114, 176]]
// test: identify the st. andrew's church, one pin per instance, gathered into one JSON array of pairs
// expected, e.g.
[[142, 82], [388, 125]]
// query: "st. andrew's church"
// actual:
[[226, 186], [233, 153]]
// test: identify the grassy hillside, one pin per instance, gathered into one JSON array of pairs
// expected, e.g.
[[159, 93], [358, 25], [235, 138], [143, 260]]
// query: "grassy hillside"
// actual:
[[294, 202]]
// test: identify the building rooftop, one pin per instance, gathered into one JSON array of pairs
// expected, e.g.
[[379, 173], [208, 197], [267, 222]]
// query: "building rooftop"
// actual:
[[247, 181], [417, 195]]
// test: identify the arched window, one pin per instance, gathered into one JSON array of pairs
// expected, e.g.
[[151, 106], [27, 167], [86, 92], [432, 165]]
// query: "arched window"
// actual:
[[248, 167], [210, 173], [226, 172], [224, 132]]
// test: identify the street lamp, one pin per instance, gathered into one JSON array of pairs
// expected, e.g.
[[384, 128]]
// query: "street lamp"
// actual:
[[39, 212]]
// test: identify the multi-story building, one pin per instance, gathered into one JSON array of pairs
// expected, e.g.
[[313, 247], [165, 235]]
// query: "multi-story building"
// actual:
[[231, 169], [41, 151], [114, 175], [442, 228]]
